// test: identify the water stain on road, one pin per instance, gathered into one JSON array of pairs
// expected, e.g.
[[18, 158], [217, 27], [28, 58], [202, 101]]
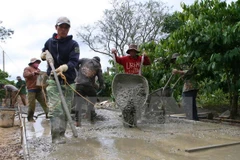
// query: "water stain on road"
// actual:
[[109, 140]]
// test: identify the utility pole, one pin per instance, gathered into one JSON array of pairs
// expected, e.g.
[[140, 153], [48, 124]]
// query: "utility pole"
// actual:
[[3, 58], [3, 61]]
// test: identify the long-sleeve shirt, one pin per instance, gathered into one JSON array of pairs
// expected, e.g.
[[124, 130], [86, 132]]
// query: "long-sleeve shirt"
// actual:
[[21, 85], [132, 65], [31, 79]]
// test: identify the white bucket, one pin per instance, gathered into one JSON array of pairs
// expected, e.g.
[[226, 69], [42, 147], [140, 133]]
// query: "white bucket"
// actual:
[[7, 117]]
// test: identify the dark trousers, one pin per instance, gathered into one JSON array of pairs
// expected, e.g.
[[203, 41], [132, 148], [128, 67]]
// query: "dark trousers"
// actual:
[[189, 104], [89, 93], [32, 97]]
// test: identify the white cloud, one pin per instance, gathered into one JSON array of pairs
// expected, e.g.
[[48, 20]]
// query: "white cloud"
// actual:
[[33, 23]]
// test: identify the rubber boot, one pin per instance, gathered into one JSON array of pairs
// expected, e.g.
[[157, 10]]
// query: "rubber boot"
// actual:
[[77, 119], [57, 134], [30, 116], [47, 116], [91, 114], [78, 111]]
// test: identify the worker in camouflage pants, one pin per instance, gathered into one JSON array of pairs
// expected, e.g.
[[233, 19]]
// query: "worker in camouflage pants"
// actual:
[[56, 114], [63, 52]]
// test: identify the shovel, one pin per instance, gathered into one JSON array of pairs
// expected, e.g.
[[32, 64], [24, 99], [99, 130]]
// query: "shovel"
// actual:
[[65, 108]]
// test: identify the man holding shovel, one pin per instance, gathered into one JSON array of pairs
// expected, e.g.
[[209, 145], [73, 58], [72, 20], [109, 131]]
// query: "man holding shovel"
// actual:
[[190, 88], [11, 93], [64, 53]]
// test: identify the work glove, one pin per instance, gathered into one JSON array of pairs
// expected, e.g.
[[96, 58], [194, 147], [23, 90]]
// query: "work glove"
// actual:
[[43, 55], [62, 68], [49, 57], [174, 71], [46, 56]]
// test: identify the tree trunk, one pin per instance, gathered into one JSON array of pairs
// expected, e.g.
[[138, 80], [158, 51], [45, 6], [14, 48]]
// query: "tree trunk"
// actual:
[[234, 105]]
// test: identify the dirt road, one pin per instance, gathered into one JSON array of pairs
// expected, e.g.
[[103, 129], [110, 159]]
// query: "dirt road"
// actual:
[[10, 142]]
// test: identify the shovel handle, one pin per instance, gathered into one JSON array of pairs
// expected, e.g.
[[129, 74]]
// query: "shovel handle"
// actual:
[[140, 70], [176, 82], [168, 82], [115, 62]]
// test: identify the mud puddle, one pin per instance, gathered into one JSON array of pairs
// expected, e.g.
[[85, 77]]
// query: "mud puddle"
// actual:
[[107, 139]]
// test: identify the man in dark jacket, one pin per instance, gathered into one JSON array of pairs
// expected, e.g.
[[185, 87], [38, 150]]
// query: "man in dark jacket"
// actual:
[[88, 71], [65, 53]]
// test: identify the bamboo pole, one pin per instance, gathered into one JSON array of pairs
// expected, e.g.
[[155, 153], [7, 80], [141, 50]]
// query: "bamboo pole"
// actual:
[[23, 135]]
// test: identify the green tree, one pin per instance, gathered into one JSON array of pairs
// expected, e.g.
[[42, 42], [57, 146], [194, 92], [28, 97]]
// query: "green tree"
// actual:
[[127, 22], [172, 22], [3, 80], [5, 33], [209, 39]]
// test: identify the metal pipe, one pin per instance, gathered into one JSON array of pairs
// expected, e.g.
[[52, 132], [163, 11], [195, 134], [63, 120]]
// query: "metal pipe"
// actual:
[[50, 61], [23, 135], [141, 64], [210, 147], [115, 63]]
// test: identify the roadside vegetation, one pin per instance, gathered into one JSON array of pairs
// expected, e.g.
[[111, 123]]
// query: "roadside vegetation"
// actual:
[[206, 34]]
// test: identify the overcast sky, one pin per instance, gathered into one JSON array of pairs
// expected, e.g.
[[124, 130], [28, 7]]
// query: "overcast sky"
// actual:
[[33, 23]]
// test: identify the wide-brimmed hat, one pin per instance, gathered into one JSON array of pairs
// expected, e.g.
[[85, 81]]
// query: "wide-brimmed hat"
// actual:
[[63, 20], [175, 55], [33, 60], [132, 47]]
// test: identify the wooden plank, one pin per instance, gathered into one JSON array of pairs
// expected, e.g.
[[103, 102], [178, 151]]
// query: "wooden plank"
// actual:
[[227, 120]]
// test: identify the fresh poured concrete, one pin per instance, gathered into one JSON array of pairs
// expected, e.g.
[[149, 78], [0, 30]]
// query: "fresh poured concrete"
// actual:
[[107, 139]]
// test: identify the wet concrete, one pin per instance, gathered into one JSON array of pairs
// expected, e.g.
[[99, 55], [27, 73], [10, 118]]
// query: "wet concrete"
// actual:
[[108, 140]]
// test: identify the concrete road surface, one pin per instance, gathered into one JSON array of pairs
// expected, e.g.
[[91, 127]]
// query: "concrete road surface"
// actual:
[[107, 139]]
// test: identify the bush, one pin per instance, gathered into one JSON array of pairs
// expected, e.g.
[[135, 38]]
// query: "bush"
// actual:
[[211, 100]]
